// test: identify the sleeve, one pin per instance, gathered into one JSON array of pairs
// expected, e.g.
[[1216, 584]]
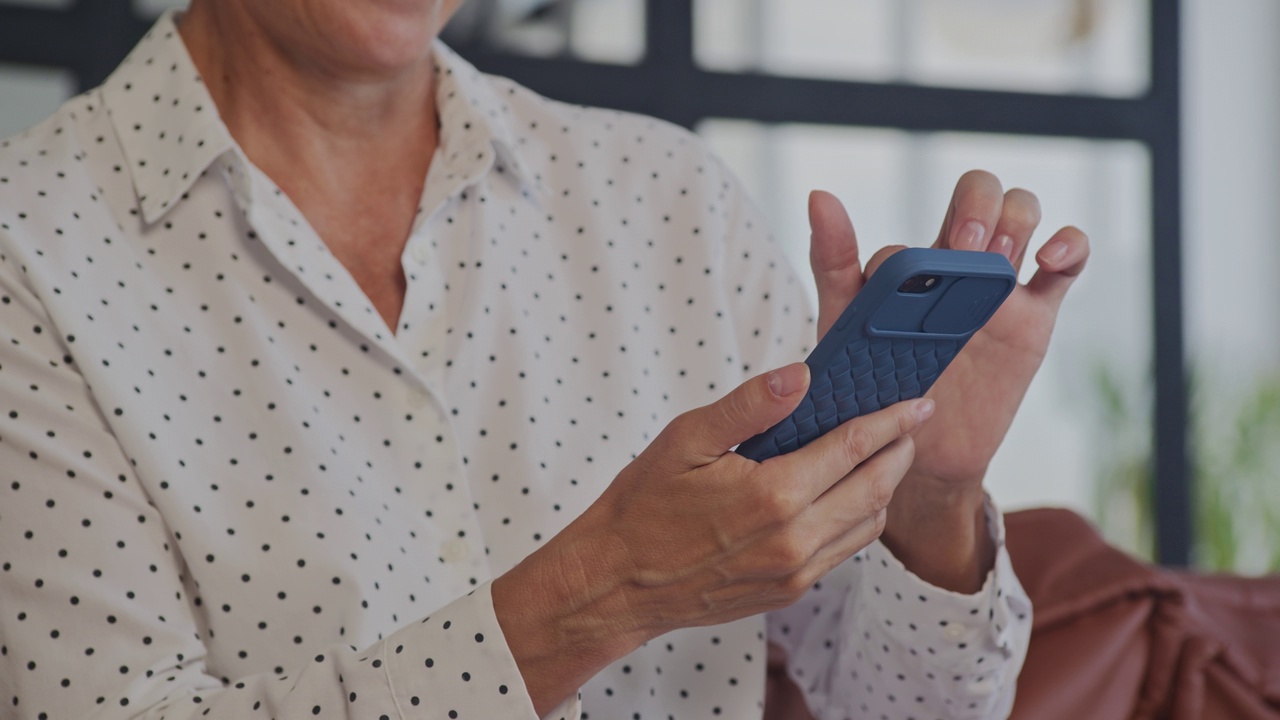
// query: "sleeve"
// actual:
[[872, 640], [99, 621]]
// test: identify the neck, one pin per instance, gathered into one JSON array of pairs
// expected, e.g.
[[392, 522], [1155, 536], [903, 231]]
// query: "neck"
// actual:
[[349, 142]]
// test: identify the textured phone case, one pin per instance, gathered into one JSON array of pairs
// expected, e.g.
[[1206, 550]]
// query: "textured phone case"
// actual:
[[857, 369], [868, 375]]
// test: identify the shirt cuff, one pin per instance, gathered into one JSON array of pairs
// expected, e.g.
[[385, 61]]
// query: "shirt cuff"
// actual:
[[456, 663], [959, 654], [991, 619]]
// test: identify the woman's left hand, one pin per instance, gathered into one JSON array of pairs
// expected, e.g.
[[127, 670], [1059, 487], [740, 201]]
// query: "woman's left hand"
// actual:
[[935, 521]]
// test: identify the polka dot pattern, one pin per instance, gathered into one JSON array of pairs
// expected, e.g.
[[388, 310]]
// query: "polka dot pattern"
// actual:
[[230, 490], [925, 653]]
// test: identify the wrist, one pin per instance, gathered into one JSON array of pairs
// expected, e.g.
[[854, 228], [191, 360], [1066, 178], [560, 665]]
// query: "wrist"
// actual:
[[938, 529], [562, 612]]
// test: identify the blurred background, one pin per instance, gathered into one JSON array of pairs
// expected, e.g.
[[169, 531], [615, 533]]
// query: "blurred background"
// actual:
[[1154, 125]]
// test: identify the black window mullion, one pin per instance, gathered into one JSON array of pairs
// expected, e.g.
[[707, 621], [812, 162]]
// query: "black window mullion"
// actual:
[[25, 34], [104, 29], [668, 60], [1172, 478]]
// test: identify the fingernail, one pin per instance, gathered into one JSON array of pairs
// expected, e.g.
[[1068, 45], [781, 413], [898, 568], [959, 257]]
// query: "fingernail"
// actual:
[[1004, 246], [923, 410], [970, 236], [789, 380], [1053, 252]]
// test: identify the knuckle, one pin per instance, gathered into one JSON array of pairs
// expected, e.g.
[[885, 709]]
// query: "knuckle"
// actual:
[[736, 404], [906, 417], [672, 438], [771, 510], [907, 447], [740, 409], [680, 425], [879, 522], [788, 554], [1022, 208], [795, 585], [881, 491], [802, 581], [892, 464], [859, 443], [793, 499], [775, 505]]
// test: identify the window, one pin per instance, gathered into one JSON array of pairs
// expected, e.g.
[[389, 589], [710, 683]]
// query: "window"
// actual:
[[1075, 99], [1078, 99]]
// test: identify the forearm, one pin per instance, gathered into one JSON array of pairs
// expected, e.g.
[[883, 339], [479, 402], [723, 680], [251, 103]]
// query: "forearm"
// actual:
[[939, 531]]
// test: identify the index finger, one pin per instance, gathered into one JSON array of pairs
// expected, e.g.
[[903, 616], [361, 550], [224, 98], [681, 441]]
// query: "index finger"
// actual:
[[822, 463]]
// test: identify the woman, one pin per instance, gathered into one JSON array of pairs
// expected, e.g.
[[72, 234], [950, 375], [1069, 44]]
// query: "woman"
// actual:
[[337, 383]]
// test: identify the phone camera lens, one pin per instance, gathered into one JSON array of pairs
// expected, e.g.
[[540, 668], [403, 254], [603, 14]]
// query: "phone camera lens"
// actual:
[[919, 284]]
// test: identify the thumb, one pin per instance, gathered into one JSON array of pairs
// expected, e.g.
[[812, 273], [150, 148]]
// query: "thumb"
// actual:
[[702, 435], [833, 256]]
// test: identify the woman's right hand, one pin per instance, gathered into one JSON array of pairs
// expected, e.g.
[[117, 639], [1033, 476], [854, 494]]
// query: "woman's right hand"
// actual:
[[691, 533]]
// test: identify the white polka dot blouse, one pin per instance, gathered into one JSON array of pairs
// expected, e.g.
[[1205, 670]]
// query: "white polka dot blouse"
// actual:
[[229, 490]]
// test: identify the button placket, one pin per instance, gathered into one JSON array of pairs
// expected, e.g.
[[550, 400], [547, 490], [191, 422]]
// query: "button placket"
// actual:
[[423, 320], [467, 565]]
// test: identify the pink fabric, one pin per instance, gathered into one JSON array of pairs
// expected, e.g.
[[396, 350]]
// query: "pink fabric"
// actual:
[[1116, 638]]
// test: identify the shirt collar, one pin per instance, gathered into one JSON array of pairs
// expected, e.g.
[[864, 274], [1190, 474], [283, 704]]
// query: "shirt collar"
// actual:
[[164, 118], [170, 130], [475, 115]]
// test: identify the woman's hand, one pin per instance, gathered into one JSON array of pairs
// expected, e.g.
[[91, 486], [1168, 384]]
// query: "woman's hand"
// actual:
[[935, 524], [693, 534]]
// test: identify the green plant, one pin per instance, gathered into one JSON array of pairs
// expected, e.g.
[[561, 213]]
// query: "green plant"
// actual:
[[1238, 480], [1236, 474], [1122, 491]]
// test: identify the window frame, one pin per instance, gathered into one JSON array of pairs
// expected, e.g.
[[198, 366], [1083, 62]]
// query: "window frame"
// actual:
[[90, 37]]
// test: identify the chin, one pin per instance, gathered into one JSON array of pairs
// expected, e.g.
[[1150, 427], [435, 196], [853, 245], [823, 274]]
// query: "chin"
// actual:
[[383, 36], [379, 37]]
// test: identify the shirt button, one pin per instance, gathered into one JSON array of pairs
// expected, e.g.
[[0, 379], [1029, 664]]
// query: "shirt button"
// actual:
[[421, 253], [454, 550], [955, 630]]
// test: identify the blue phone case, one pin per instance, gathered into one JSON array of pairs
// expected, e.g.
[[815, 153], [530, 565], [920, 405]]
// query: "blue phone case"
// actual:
[[893, 341]]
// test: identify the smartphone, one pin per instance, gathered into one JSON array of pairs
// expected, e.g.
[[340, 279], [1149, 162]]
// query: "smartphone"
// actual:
[[891, 343]]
